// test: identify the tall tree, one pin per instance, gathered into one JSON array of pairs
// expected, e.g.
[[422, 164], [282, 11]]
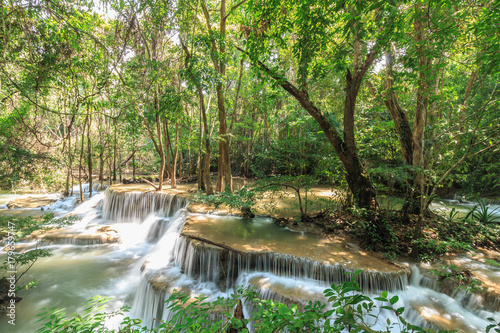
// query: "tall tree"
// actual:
[[323, 37]]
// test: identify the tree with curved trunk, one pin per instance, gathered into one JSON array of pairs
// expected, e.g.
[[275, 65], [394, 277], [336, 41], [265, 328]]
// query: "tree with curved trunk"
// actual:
[[314, 30]]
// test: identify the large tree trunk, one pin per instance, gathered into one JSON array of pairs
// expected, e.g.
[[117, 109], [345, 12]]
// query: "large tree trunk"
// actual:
[[225, 180], [218, 49], [401, 123], [206, 158], [200, 161], [357, 178], [414, 198], [205, 173]]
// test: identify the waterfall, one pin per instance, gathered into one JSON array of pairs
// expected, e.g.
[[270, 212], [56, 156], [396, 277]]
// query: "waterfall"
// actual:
[[136, 206], [203, 262], [199, 268], [180, 263]]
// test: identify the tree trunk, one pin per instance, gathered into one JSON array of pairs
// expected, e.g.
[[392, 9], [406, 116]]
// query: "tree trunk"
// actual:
[[114, 150], [160, 152], [80, 162], [225, 180], [89, 153], [200, 162], [101, 167], [249, 146], [120, 165], [174, 159], [413, 201], [181, 170], [206, 158], [66, 192], [401, 122], [168, 145], [133, 163]]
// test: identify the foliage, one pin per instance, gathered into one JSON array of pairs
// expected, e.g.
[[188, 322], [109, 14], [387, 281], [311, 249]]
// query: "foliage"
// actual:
[[92, 318], [494, 326], [492, 262], [21, 227], [19, 166], [243, 198], [14, 229], [388, 232]]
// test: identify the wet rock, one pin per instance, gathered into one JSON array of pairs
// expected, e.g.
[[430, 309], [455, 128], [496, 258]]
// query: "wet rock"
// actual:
[[106, 228], [353, 246], [282, 221], [128, 181], [5, 299], [247, 212]]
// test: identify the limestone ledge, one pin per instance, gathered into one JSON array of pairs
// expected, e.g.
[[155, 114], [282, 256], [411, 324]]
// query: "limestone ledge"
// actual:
[[102, 235], [32, 201]]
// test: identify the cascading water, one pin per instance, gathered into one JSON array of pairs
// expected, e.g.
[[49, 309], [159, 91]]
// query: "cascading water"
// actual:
[[200, 268], [83, 265], [136, 206]]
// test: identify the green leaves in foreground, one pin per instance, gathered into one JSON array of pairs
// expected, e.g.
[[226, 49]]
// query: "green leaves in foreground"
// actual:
[[348, 310]]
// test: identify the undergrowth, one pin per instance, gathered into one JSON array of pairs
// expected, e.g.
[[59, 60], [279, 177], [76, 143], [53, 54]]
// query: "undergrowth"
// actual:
[[387, 232]]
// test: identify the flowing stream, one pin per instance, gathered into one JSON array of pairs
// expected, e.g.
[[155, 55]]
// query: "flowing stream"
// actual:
[[155, 255]]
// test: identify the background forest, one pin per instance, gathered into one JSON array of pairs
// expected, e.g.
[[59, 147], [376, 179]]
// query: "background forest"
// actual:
[[397, 97]]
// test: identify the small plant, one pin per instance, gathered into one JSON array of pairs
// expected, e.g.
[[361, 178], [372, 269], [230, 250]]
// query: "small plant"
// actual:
[[482, 213], [495, 326], [92, 319], [452, 215], [244, 199], [296, 183], [492, 263], [461, 278]]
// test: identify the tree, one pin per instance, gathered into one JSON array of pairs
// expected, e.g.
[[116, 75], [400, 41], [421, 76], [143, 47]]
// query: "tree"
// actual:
[[426, 67], [313, 33]]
